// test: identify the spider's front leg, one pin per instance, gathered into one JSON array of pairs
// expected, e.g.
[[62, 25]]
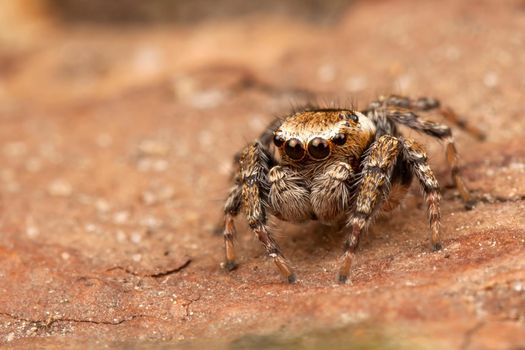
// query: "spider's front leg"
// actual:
[[373, 189], [251, 193]]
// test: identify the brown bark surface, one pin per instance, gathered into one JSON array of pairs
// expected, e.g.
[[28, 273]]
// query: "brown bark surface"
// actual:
[[115, 152]]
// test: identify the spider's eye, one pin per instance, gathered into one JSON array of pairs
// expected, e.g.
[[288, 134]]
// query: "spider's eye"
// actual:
[[349, 115], [294, 149], [318, 148], [278, 140], [339, 139]]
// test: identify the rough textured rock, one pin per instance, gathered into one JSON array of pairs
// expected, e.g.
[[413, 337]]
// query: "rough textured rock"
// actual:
[[116, 148]]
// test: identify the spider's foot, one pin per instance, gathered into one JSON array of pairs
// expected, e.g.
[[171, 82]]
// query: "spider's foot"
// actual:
[[437, 246], [342, 278], [284, 268], [470, 204], [344, 270], [230, 265]]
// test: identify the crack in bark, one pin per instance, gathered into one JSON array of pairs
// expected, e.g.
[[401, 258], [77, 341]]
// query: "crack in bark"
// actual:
[[188, 303], [467, 337], [488, 198], [491, 199], [43, 324], [250, 81], [153, 275]]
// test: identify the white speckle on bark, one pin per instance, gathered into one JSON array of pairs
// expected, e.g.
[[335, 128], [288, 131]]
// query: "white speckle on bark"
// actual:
[[491, 79], [60, 188], [121, 217]]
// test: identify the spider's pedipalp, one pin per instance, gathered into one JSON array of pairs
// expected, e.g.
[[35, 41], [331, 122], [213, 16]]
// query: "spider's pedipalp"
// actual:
[[331, 191], [288, 196]]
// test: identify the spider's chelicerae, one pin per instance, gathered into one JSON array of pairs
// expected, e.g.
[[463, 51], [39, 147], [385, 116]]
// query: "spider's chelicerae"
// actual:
[[338, 166]]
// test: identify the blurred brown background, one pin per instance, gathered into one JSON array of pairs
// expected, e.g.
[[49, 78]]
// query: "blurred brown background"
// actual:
[[192, 12], [118, 123]]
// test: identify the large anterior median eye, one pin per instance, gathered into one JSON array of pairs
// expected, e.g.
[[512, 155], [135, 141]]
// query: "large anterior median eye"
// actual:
[[318, 148], [294, 149]]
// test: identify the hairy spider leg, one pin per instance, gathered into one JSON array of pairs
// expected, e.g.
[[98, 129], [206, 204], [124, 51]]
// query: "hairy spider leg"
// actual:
[[427, 104], [251, 194], [415, 155], [373, 188], [400, 110]]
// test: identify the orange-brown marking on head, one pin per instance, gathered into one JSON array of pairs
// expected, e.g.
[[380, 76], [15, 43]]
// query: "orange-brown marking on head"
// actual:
[[320, 134]]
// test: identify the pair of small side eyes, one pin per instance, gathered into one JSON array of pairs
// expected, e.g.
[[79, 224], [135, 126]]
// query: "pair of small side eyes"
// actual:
[[318, 147], [352, 116]]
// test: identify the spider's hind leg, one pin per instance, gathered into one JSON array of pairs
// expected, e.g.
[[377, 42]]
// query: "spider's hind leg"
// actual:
[[414, 155], [428, 104], [231, 209], [450, 115], [401, 180], [410, 119]]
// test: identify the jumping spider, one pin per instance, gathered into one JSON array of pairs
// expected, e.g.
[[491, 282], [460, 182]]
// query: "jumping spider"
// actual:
[[342, 166]]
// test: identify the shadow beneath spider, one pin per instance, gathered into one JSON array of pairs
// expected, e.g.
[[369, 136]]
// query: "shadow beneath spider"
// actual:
[[313, 240], [316, 240]]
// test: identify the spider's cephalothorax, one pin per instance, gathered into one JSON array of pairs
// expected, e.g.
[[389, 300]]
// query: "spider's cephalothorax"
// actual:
[[338, 165]]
